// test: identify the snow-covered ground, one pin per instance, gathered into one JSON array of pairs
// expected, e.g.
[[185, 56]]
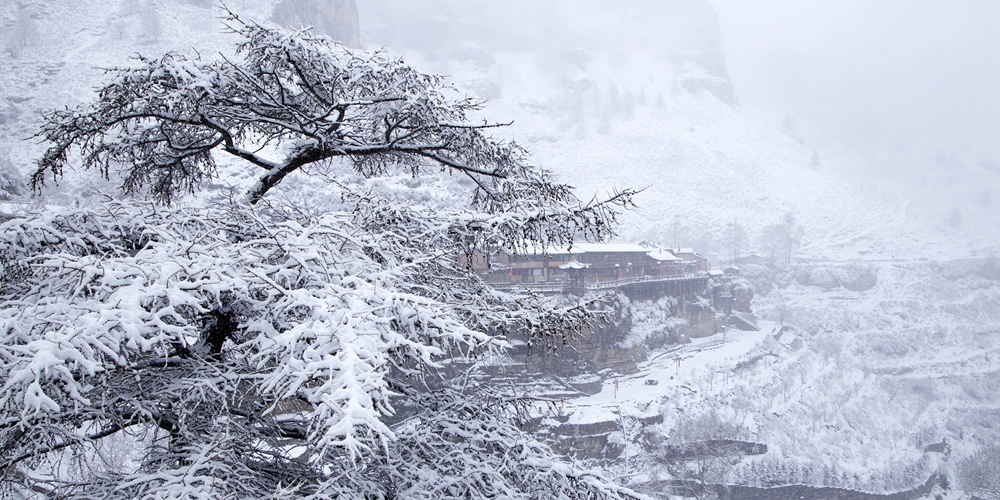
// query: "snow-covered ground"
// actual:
[[851, 393], [865, 379], [678, 371]]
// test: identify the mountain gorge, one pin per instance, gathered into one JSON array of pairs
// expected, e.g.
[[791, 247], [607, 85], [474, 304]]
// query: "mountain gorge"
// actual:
[[888, 306], [877, 363]]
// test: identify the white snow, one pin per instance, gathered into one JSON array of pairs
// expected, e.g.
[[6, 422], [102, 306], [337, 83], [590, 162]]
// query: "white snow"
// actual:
[[876, 374]]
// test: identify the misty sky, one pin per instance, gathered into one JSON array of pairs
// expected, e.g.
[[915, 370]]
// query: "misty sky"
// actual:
[[919, 76], [899, 73]]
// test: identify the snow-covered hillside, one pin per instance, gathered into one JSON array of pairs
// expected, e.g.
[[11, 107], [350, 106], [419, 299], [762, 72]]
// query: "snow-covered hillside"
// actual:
[[605, 118], [867, 376]]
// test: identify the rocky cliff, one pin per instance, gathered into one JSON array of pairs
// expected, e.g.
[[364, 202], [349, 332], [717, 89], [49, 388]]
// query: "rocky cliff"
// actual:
[[681, 34]]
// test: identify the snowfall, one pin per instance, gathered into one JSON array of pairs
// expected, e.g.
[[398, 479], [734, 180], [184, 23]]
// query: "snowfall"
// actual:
[[860, 380]]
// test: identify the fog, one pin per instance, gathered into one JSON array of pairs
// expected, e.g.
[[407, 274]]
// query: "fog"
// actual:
[[805, 293], [906, 75], [868, 129], [909, 76], [895, 93]]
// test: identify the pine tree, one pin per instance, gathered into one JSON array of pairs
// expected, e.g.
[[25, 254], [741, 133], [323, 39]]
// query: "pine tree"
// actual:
[[628, 105], [955, 218], [23, 33], [151, 28], [614, 98]]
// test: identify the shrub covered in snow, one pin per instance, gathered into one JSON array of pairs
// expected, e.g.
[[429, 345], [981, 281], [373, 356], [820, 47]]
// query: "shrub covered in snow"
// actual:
[[979, 473]]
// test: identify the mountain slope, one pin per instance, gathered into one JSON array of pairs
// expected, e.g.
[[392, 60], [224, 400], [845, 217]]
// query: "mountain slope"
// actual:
[[878, 373]]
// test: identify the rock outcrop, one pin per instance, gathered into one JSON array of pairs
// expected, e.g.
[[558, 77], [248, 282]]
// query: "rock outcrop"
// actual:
[[697, 49]]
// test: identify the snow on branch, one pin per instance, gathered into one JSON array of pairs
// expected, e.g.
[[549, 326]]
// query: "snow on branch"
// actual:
[[157, 123], [310, 311], [471, 449], [252, 353], [238, 337]]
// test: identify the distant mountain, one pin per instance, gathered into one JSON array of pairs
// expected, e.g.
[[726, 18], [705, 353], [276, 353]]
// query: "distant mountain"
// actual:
[[608, 95], [634, 94], [683, 34]]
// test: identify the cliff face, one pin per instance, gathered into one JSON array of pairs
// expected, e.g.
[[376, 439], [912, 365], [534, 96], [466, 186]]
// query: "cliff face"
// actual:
[[681, 34], [697, 49], [337, 19]]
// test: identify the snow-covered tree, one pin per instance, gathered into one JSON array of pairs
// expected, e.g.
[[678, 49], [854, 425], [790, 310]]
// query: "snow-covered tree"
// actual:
[[160, 121], [770, 241], [151, 28], [736, 240], [700, 455], [23, 33], [779, 242], [979, 473], [244, 351]]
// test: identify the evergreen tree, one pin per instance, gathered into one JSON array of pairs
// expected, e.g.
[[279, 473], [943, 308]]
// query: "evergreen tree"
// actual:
[[614, 98], [23, 33], [955, 218], [151, 28], [628, 105]]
